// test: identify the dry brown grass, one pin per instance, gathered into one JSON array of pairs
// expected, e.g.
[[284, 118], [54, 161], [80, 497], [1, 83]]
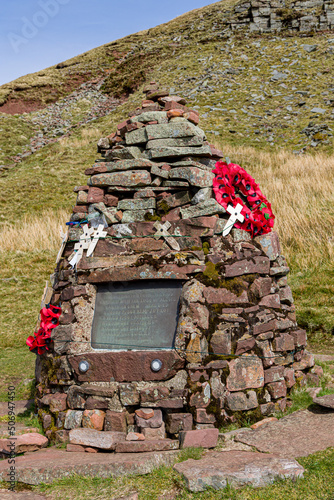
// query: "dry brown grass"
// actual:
[[300, 189], [34, 233]]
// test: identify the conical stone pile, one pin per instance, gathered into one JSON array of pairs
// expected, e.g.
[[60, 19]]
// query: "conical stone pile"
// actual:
[[237, 351]]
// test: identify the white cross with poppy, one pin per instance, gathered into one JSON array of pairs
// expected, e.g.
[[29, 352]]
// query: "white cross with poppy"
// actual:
[[235, 216]]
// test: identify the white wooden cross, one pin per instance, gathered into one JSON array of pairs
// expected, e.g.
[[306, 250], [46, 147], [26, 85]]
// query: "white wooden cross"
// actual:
[[64, 237], [98, 233], [83, 244], [162, 230], [235, 216]]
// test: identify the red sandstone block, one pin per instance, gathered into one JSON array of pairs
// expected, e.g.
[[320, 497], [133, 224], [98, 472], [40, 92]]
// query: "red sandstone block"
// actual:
[[283, 342], [205, 438], [277, 389], [202, 417], [95, 195], [110, 200], [115, 421], [75, 448], [192, 117], [174, 113], [299, 337], [145, 446]]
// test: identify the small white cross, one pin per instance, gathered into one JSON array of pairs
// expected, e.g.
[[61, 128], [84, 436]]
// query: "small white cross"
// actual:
[[64, 237], [98, 233], [235, 216], [162, 230], [83, 244]]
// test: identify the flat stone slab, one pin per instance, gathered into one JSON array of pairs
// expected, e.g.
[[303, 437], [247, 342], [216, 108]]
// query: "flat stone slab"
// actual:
[[326, 401], [236, 468], [20, 406], [20, 495], [324, 357], [44, 466], [297, 435]]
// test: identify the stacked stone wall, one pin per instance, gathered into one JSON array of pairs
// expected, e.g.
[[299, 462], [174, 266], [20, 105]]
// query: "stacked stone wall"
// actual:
[[238, 350]]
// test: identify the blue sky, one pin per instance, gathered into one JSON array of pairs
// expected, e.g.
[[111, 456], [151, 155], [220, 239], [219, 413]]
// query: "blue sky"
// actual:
[[35, 34]]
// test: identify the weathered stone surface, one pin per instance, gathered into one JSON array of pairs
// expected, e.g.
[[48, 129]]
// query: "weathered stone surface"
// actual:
[[135, 215], [135, 436], [176, 422], [326, 401], [296, 435], [263, 422], [261, 287], [239, 401], [285, 295], [259, 265], [154, 433], [127, 366], [283, 342], [272, 301], [221, 342], [173, 130], [136, 136], [236, 469], [56, 402], [289, 376], [31, 441], [95, 195], [146, 446], [138, 204], [306, 361], [175, 152], [277, 389], [299, 337], [115, 421], [205, 438], [202, 417], [98, 439], [73, 419], [270, 244], [150, 116], [274, 374], [195, 176], [151, 422], [245, 373], [44, 466], [130, 178], [93, 419], [62, 336], [245, 345], [264, 327], [224, 296], [195, 140], [145, 413]]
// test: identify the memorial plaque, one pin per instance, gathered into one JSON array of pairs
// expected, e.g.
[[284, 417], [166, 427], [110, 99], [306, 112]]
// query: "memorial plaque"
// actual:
[[136, 315]]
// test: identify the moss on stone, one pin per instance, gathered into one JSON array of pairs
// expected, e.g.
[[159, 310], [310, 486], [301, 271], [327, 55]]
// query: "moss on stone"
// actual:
[[206, 247]]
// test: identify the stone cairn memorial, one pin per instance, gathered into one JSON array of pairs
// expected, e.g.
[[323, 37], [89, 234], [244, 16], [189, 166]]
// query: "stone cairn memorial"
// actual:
[[169, 330]]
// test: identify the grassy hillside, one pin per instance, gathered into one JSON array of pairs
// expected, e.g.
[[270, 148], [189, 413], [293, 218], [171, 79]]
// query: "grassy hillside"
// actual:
[[258, 117]]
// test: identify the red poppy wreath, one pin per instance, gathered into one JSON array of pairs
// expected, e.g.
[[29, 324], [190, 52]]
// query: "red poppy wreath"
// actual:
[[258, 216], [42, 339]]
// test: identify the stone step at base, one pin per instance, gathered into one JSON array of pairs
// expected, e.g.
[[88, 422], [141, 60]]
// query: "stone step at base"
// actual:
[[147, 446], [45, 466]]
